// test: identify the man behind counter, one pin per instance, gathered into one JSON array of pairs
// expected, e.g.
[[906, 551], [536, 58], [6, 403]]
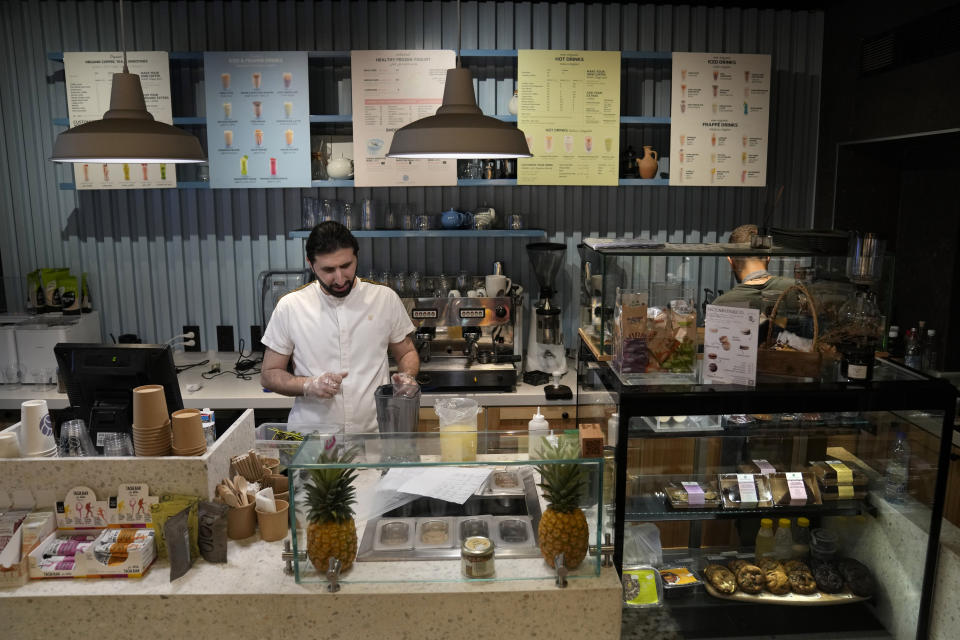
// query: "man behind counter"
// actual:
[[337, 331], [751, 274]]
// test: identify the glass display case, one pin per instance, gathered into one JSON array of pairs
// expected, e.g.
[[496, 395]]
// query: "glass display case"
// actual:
[[673, 283], [706, 464], [424, 501]]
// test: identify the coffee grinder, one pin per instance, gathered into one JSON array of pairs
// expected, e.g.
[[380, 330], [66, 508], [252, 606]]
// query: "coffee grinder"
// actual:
[[545, 350]]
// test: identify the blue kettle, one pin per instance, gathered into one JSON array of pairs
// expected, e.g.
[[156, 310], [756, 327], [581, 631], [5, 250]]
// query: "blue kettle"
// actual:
[[453, 219]]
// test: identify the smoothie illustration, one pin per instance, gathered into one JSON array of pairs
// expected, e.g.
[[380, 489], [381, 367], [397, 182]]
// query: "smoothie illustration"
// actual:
[[683, 90], [716, 74], [746, 92], [287, 79], [744, 140], [258, 136], [743, 176], [683, 74], [288, 136], [288, 109], [257, 108], [225, 81], [713, 139], [228, 138], [588, 143], [743, 157], [227, 110], [746, 108], [86, 173], [746, 76], [163, 172], [126, 171], [143, 166], [548, 143], [713, 174], [714, 107], [683, 139], [608, 144], [273, 166], [255, 76], [568, 144], [681, 156], [243, 165], [683, 106], [714, 91]]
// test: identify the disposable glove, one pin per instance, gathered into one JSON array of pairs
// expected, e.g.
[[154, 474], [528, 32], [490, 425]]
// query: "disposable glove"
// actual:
[[405, 385], [325, 385]]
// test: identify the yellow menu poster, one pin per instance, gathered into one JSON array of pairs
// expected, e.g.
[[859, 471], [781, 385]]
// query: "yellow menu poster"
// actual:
[[570, 113]]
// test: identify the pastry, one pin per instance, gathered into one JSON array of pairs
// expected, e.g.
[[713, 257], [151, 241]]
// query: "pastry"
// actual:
[[736, 564], [857, 577], [720, 578], [777, 582], [828, 577], [802, 582], [751, 578], [770, 564], [792, 566]]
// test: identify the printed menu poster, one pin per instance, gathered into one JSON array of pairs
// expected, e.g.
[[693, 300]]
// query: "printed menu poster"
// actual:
[[730, 345], [570, 113], [392, 89], [719, 117], [89, 79], [258, 119]]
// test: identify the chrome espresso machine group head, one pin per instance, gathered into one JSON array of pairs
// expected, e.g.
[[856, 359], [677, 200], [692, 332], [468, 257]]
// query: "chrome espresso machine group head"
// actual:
[[466, 343], [545, 350]]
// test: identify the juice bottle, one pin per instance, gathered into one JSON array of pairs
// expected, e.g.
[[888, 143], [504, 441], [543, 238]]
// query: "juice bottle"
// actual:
[[783, 540], [764, 543]]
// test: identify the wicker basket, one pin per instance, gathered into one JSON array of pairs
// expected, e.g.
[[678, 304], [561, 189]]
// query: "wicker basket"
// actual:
[[794, 364]]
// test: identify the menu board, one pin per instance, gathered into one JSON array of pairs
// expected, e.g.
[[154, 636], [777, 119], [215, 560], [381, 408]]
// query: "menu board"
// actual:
[[570, 113], [730, 345], [89, 80], [720, 112], [258, 119], [392, 89]]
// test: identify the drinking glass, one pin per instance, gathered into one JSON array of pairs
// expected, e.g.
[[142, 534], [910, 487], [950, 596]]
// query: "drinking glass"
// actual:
[[463, 281], [400, 284], [407, 219], [309, 212], [423, 222], [386, 279], [11, 376], [392, 217], [368, 215], [515, 221], [117, 444], [347, 219], [327, 211], [47, 377], [75, 440], [415, 284], [443, 286]]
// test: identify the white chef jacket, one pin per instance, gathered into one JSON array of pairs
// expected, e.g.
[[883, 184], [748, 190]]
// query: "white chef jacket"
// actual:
[[326, 333]]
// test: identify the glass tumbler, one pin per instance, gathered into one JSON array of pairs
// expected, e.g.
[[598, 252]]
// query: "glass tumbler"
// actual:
[[347, 219], [327, 211], [309, 212], [368, 215]]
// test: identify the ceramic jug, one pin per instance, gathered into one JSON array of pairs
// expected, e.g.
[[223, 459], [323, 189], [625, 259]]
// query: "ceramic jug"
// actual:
[[648, 163]]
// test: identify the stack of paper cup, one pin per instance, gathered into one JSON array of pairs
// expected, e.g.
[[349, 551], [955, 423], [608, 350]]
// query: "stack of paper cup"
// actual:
[[188, 439], [151, 421], [36, 430], [9, 445]]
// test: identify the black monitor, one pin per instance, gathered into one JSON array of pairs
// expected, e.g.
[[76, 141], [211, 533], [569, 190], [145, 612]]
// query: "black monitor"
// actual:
[[100, 379]]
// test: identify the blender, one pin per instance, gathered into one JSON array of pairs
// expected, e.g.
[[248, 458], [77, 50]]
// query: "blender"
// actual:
[[545, 350]]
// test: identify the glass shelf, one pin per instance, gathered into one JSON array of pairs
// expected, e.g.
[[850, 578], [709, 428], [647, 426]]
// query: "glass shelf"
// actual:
[[651, 509], [437, 233]]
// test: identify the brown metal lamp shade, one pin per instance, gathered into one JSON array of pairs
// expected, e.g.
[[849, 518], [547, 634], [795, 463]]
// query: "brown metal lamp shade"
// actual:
[[127, 133], [459, 129]]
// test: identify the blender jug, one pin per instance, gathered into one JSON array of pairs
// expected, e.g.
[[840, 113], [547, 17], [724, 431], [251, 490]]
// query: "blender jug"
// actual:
[[458, 428], [397, 418]]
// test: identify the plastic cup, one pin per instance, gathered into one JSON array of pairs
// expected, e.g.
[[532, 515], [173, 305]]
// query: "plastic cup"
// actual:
[[36, 429], [117, 445], [75, 440], [273, 525], [149, 406]]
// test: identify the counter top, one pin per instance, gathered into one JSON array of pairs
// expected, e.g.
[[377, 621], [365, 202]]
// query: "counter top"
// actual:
[[227, 391], [251, 597]]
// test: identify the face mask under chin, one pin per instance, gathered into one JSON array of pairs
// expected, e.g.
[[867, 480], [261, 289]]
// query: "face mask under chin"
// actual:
[[334, 292]]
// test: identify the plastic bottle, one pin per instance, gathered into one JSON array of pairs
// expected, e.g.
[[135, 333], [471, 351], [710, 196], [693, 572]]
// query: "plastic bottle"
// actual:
[[912, 355], [894, 345], [931, 351], [783, 540], [801, 540], [764, 543], [537, 427], [613, 426], [897, 476]]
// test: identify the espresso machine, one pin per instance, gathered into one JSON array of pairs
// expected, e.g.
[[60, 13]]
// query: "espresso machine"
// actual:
[[466, 343], [545, 350]]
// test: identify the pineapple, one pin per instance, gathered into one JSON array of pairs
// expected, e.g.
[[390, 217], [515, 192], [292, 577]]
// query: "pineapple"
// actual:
[[332, 532], [563, 527]]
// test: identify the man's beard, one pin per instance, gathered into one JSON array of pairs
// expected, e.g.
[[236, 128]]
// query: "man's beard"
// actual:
[[334, 292]]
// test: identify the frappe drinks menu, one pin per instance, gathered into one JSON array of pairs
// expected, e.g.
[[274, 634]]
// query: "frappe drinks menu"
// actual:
[[392, 89], [258, 119], [730, 345], [89, 79], [719, 118], [570, 114]]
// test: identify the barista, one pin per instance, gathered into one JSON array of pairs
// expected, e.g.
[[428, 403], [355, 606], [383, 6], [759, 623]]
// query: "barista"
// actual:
[[334, 335]]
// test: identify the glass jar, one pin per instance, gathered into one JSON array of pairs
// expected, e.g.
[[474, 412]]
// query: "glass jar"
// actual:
[[476, 557], [861, 331]]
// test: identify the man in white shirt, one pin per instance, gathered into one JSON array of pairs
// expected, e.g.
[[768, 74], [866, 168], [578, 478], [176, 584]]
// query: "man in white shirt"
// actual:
[[337, 330]]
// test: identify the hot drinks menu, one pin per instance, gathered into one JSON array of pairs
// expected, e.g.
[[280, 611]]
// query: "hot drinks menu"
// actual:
[[570, 113], [730, 345], [89, 79], [720, 111], [392, 89], [258, 119]]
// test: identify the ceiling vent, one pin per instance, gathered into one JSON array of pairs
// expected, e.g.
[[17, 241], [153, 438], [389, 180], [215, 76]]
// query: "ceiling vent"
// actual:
[[931, 36]]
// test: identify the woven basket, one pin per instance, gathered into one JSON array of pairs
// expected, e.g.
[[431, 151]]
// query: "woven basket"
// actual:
[[794, 364]]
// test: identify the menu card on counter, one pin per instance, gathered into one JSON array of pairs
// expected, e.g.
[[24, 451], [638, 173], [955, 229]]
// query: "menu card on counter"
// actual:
[[730, 345], [89, 80], [719, 119], [392, 89], [570, 113], [258, 119]]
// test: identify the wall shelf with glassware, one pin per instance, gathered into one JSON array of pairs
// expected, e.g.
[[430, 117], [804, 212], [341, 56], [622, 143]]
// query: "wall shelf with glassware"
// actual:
[[437, 233]]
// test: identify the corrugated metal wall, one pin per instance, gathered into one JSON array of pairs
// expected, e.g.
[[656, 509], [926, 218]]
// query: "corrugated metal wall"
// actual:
[[160, 259]]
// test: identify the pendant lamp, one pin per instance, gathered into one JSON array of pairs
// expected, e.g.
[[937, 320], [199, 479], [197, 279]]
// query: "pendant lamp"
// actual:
[[127, 132], [459, 129]]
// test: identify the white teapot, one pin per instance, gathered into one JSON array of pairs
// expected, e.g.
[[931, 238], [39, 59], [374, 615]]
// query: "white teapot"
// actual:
[[340, 168]]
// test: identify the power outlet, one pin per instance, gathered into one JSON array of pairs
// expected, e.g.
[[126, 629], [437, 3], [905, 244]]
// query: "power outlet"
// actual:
[[187, 328], [225, 338], [255, 334]]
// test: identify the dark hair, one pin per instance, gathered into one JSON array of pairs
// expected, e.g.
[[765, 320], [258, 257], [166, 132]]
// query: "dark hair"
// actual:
[[742, 233], [328, 237]]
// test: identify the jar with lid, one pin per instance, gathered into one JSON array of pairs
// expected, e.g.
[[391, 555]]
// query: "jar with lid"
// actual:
[[476, 557], [861, 331]]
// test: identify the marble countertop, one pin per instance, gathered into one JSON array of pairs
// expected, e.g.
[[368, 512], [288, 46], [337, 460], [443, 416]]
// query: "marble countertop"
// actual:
[[229, 392]]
